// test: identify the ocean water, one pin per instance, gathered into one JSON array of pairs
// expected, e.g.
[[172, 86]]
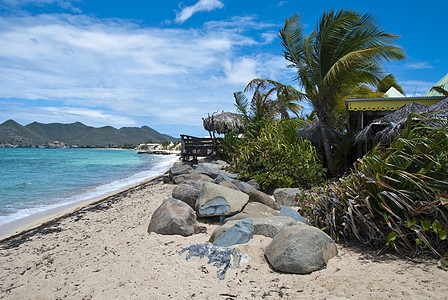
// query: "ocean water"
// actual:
[[35, 180]]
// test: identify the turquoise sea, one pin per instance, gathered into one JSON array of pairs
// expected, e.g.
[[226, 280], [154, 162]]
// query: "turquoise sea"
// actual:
[[35, 180]]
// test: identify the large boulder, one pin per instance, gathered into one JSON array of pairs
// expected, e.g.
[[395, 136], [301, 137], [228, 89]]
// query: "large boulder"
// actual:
[[173, 217], [300, 250], [259, 196], [188, 192], [239, 233], [180, 169], [254, 210], [218, 200], [287, 196], [268, 226], [289, 212], [243, 186]]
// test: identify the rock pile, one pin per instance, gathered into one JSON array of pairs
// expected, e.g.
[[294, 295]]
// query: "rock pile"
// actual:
[[206, 190]]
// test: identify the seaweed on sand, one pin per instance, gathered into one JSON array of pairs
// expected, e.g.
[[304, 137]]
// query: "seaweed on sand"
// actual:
[[222, 258]]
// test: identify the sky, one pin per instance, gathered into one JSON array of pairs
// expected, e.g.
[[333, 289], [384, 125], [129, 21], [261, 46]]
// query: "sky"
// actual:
[[168, 64]]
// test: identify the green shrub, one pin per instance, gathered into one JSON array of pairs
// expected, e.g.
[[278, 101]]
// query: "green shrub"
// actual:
[[394, 197], [278, 158]]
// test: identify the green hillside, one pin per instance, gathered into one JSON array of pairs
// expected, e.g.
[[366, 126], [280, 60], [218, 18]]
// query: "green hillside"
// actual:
[[76, 134]]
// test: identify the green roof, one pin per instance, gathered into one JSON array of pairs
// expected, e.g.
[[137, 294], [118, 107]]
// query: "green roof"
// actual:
[[442, 83]]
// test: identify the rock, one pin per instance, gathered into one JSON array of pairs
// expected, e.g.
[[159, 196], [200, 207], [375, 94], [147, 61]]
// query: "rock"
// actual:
[[178, 179], [166, 178], [173, 217], [230, 185], [254, 210], [254, 184], [207, 167], [179, 169], [239, 233], [226, 176], [258, 196], [269, 226], [218, 200], [197, 176], [244, 187], [287, 196], [188, 192], [289, 212], [300, 250], [222, 177]]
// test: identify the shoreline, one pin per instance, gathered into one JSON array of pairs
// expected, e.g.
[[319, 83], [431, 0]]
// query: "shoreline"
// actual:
[[104, 251], [26, 224]]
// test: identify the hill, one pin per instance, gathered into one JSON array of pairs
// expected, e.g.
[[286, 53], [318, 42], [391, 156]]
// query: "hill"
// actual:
[[35, 134]]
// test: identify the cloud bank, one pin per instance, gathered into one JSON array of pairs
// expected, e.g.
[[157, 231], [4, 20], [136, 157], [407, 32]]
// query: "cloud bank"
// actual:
[[67, 68]]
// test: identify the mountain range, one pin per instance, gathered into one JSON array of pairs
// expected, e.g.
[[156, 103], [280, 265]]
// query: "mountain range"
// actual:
[[35, 134]]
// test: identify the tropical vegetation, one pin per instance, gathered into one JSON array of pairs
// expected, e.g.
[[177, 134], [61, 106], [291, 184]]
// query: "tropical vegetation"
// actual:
[[343, 51], [396, 195]]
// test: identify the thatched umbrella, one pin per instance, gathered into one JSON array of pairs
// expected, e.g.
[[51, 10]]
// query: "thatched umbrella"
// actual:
[[312, 132], [388, 127], [224, 122]]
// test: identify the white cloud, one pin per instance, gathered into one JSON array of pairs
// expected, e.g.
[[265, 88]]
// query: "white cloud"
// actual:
[[416, 87], [126, 74], [201, 5], [418, 65], [65, 4]]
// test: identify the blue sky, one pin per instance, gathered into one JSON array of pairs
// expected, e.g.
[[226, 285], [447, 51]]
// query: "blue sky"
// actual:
[[167, 64]]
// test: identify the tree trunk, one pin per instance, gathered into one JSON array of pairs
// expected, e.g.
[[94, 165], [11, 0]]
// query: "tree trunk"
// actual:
[[327, 148]]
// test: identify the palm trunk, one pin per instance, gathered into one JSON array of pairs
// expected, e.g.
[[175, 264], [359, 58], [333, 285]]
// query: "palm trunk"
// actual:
[[327, 148]]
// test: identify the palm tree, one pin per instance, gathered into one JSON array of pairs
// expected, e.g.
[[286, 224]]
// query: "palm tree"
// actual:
[[342, 52], [286, 96], [387, 82]]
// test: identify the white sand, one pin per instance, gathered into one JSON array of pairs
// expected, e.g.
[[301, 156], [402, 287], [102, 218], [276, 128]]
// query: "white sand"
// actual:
[[105, 252]]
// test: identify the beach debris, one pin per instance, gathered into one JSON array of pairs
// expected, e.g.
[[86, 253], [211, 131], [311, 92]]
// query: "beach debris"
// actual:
[[222, 258]]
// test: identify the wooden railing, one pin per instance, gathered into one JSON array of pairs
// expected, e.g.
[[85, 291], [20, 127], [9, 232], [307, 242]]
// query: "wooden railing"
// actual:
[[194, 147]]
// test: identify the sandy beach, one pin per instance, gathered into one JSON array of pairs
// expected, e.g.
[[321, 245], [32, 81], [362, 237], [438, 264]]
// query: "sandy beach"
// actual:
[[103, 251]]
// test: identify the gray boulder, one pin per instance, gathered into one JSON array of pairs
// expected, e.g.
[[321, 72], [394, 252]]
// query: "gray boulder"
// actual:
[[222, 177], [218, 200], [239, 233], [289, 212], [180, 169], [178, 179], [197, 176], [269, 226], [244, 187], [258, 196], [188, 192], [300, 250], [173, 217], [254, 184], [287, 196], [230, 185], [254, 210]]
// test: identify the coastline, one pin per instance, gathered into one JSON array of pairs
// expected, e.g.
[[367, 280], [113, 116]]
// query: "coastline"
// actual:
[[42, 218], [103, 251]]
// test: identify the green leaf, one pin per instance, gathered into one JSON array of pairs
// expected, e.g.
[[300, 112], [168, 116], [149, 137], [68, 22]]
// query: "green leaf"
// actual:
[[391, 237], [442, 234], [437, 227], [418, 241], [426, 225]]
